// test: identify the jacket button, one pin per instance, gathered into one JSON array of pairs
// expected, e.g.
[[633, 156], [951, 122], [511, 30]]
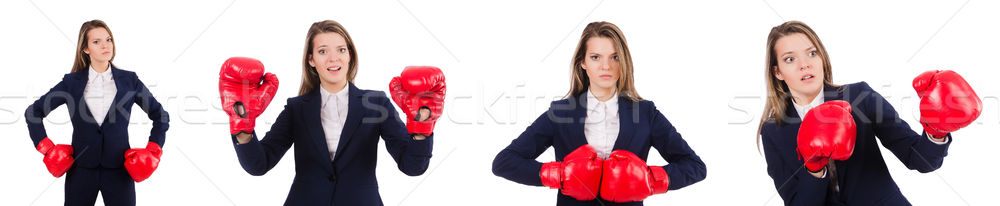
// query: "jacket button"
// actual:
[[100, 132], [332, 178]]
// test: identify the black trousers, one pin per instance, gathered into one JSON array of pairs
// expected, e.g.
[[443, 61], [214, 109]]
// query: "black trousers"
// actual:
[[115, 185]]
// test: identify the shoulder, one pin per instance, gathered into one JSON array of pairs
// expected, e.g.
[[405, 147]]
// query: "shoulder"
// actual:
[[561, 102], [75, 75], [642, 104], [773, 136], [563, 107], [375, 95], [297, 99], [124, 73], [855, 89]]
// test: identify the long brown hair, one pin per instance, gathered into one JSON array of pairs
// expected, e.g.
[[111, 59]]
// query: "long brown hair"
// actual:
[[310, 79], [82, 60], [777, 91], [580, 82]]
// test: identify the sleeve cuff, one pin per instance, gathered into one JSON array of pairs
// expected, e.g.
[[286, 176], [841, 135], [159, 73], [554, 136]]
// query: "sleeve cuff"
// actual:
[[421, 147], [946, 138]]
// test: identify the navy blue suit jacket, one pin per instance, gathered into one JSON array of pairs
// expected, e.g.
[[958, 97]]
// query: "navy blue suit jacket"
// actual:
[[641, 126], [348, 179], [94, 145], [864, 178]]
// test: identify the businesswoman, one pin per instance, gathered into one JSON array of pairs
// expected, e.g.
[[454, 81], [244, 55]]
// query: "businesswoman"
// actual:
[[819, 138], [99, 96], [334, 126], [602, 132]]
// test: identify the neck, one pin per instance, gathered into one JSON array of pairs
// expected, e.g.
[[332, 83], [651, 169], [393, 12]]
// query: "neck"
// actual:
[[804, 99], [99, 66], [333, 87], [602, 94]]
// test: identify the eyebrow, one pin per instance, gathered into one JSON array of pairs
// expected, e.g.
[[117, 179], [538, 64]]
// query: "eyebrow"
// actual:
[[324, 45], [613, 53], [789, 52]]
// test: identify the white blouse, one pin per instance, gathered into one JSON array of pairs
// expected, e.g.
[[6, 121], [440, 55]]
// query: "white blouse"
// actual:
[[333, 114], [601, 125], [99, 93]]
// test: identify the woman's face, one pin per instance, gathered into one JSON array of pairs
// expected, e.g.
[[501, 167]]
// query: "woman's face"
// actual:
[[601, 63], [100, 46], [330, 57], [799, 64]]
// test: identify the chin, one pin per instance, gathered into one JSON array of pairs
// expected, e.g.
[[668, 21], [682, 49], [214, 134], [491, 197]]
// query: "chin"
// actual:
[[607, 86]]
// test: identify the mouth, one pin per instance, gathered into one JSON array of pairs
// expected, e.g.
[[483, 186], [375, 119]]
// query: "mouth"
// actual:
[[106, 53], [807, 77], [605, 76], [333, 69]]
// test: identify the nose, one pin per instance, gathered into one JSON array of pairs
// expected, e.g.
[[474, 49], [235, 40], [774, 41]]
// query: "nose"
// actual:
[[805, 65], [605, 65]]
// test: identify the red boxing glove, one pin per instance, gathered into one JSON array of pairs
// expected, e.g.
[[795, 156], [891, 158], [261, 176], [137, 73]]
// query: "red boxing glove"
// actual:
[[416, 88], [58, 158], [628, 179], [827, 132], [244, 96], [578, 175], [141, 163], [947, 102]]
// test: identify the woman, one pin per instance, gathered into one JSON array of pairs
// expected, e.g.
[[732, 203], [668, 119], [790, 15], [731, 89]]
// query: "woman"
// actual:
[[799, 79], [100, 98], [610, 130], [334, 126]]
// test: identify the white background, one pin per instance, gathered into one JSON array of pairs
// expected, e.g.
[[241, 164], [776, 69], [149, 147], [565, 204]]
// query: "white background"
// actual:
[[701, 62]]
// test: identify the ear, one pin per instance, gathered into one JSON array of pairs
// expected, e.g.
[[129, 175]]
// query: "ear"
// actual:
[[311, 62], [777, 74], [86, 50]]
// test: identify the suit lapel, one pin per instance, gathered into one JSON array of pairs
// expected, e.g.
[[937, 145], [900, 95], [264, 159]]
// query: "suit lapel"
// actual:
[[311, 118], [578, 118], [78, 86], [354, 116], [626, 122], [120, 87]]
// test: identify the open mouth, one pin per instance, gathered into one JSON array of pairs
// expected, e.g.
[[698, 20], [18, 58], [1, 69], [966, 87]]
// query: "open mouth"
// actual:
[[333, 69], [807, 77]]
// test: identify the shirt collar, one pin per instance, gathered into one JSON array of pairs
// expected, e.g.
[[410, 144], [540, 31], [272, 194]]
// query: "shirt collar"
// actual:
[[610, 103], [805, 108], [340, 95], [92, 74]]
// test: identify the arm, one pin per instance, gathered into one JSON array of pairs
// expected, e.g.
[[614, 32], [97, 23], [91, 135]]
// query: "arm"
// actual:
[[412, 156], [58, 158], [794, 183], [38, 110], [258, 157], [916, 151], [154, 111], [517, 162], [685, 167]]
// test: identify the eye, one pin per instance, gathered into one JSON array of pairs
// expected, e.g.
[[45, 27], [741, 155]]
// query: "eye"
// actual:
[[789, 59], [595, 57], [342, 50], [321, 51], [96, 41], [812, 53], [614, 58]]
